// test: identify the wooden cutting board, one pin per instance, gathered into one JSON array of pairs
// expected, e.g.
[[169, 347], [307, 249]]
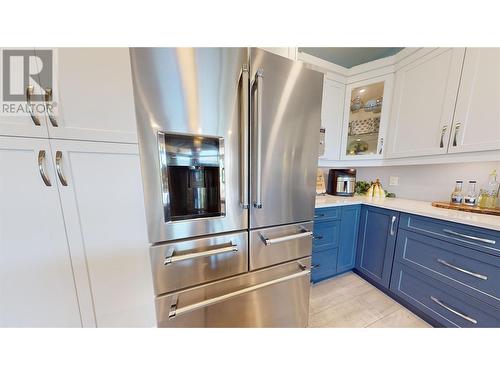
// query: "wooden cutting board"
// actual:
[[463, 207]]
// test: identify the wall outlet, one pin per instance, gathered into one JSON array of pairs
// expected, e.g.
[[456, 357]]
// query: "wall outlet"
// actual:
[[393, 181]]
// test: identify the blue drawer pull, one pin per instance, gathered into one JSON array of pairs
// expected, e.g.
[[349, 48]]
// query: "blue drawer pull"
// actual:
[[478, 275], [319, 215], [485, 240], [463, 316]]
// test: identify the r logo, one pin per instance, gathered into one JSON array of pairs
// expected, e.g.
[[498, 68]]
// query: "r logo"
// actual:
[[23, 68]]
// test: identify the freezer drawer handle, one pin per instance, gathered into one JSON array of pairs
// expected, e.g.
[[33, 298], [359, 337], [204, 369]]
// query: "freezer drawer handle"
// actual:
[[478, 275], [179, 258], [463, 316], [177, 311], [272, 241], [485, 240]]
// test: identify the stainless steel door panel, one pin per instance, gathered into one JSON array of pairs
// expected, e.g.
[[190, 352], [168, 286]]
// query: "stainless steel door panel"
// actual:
[[279, 244], [199, 91], [183, 264], [286, 117], [273, 297]]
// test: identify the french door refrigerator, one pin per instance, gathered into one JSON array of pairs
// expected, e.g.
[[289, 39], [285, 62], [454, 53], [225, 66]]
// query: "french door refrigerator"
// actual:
[[228, 139]]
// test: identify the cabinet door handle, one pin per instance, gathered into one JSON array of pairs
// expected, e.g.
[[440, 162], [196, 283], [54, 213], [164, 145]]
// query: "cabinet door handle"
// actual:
[[381, 145], [443, 132], [41, 169], [34, 118], [478, 275], [463, 316], [59, 169], [393, 220], [457, 128], [317, 216], [48, 105], [317, 237], [485, 240]]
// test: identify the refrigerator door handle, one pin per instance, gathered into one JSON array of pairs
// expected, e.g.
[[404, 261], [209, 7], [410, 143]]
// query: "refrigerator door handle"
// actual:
[[244, 138], [258, 84], [177, 311]]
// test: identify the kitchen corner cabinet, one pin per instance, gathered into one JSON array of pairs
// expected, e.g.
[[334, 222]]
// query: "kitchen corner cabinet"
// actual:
[[366, 116], [92, 95], [424, 102], [376, 243], [102, 201], [476, 125], [332, 111], [37, 288], [334, 241]]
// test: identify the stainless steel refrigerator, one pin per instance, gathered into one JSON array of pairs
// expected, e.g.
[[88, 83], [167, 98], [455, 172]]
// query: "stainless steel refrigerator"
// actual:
[[228, 140]]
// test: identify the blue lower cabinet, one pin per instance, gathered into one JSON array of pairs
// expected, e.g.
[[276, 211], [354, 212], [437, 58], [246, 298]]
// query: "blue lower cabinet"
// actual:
[[349, 225], [446, 305], [326, 235], [376, 243], [473, 272], [324, 264], [334, 244]]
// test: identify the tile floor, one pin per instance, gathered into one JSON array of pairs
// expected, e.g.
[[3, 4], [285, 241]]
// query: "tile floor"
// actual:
[[349, 301]]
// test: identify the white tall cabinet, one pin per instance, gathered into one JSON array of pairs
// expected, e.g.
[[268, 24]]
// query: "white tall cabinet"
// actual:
[[103, 206], [332, 110], [93, 95], [37, 287], [423, 104], [476, 125], [73, 240]]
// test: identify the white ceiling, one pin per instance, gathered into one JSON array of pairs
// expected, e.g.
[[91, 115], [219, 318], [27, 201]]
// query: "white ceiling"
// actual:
[[350, 56]]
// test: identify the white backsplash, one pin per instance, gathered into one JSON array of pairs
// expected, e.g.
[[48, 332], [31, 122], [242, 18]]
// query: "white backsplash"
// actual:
[[428, 182]]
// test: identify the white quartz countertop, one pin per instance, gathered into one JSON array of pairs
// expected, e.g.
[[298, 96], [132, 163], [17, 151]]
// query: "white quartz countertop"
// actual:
[[413, 207]]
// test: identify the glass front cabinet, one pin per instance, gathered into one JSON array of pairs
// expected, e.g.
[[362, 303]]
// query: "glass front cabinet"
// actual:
[[366, 115]]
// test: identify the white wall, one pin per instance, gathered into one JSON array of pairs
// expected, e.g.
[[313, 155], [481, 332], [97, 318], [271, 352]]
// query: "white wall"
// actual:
[[429, 182]]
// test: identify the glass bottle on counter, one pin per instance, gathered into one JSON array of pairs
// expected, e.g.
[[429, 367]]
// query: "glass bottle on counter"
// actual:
[[457, 196], [489, 195], [470, 199]]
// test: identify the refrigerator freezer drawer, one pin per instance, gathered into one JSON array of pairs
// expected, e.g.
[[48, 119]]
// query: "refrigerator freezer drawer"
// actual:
[[279, 244], [183, 264], [273, 297]]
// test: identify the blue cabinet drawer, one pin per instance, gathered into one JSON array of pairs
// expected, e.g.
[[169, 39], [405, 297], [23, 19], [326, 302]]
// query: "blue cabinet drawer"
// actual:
[[447, 305], [324, 264], [474, 237], [330, 213], [326, 235], [471, 271]]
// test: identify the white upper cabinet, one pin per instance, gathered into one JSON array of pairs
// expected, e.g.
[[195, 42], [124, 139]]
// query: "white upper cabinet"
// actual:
[[102, 200], [332, 111], [92, 95], [424, 101], [477, 114], [37, 288], [22, 103], [366, 115], [288, 52]]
